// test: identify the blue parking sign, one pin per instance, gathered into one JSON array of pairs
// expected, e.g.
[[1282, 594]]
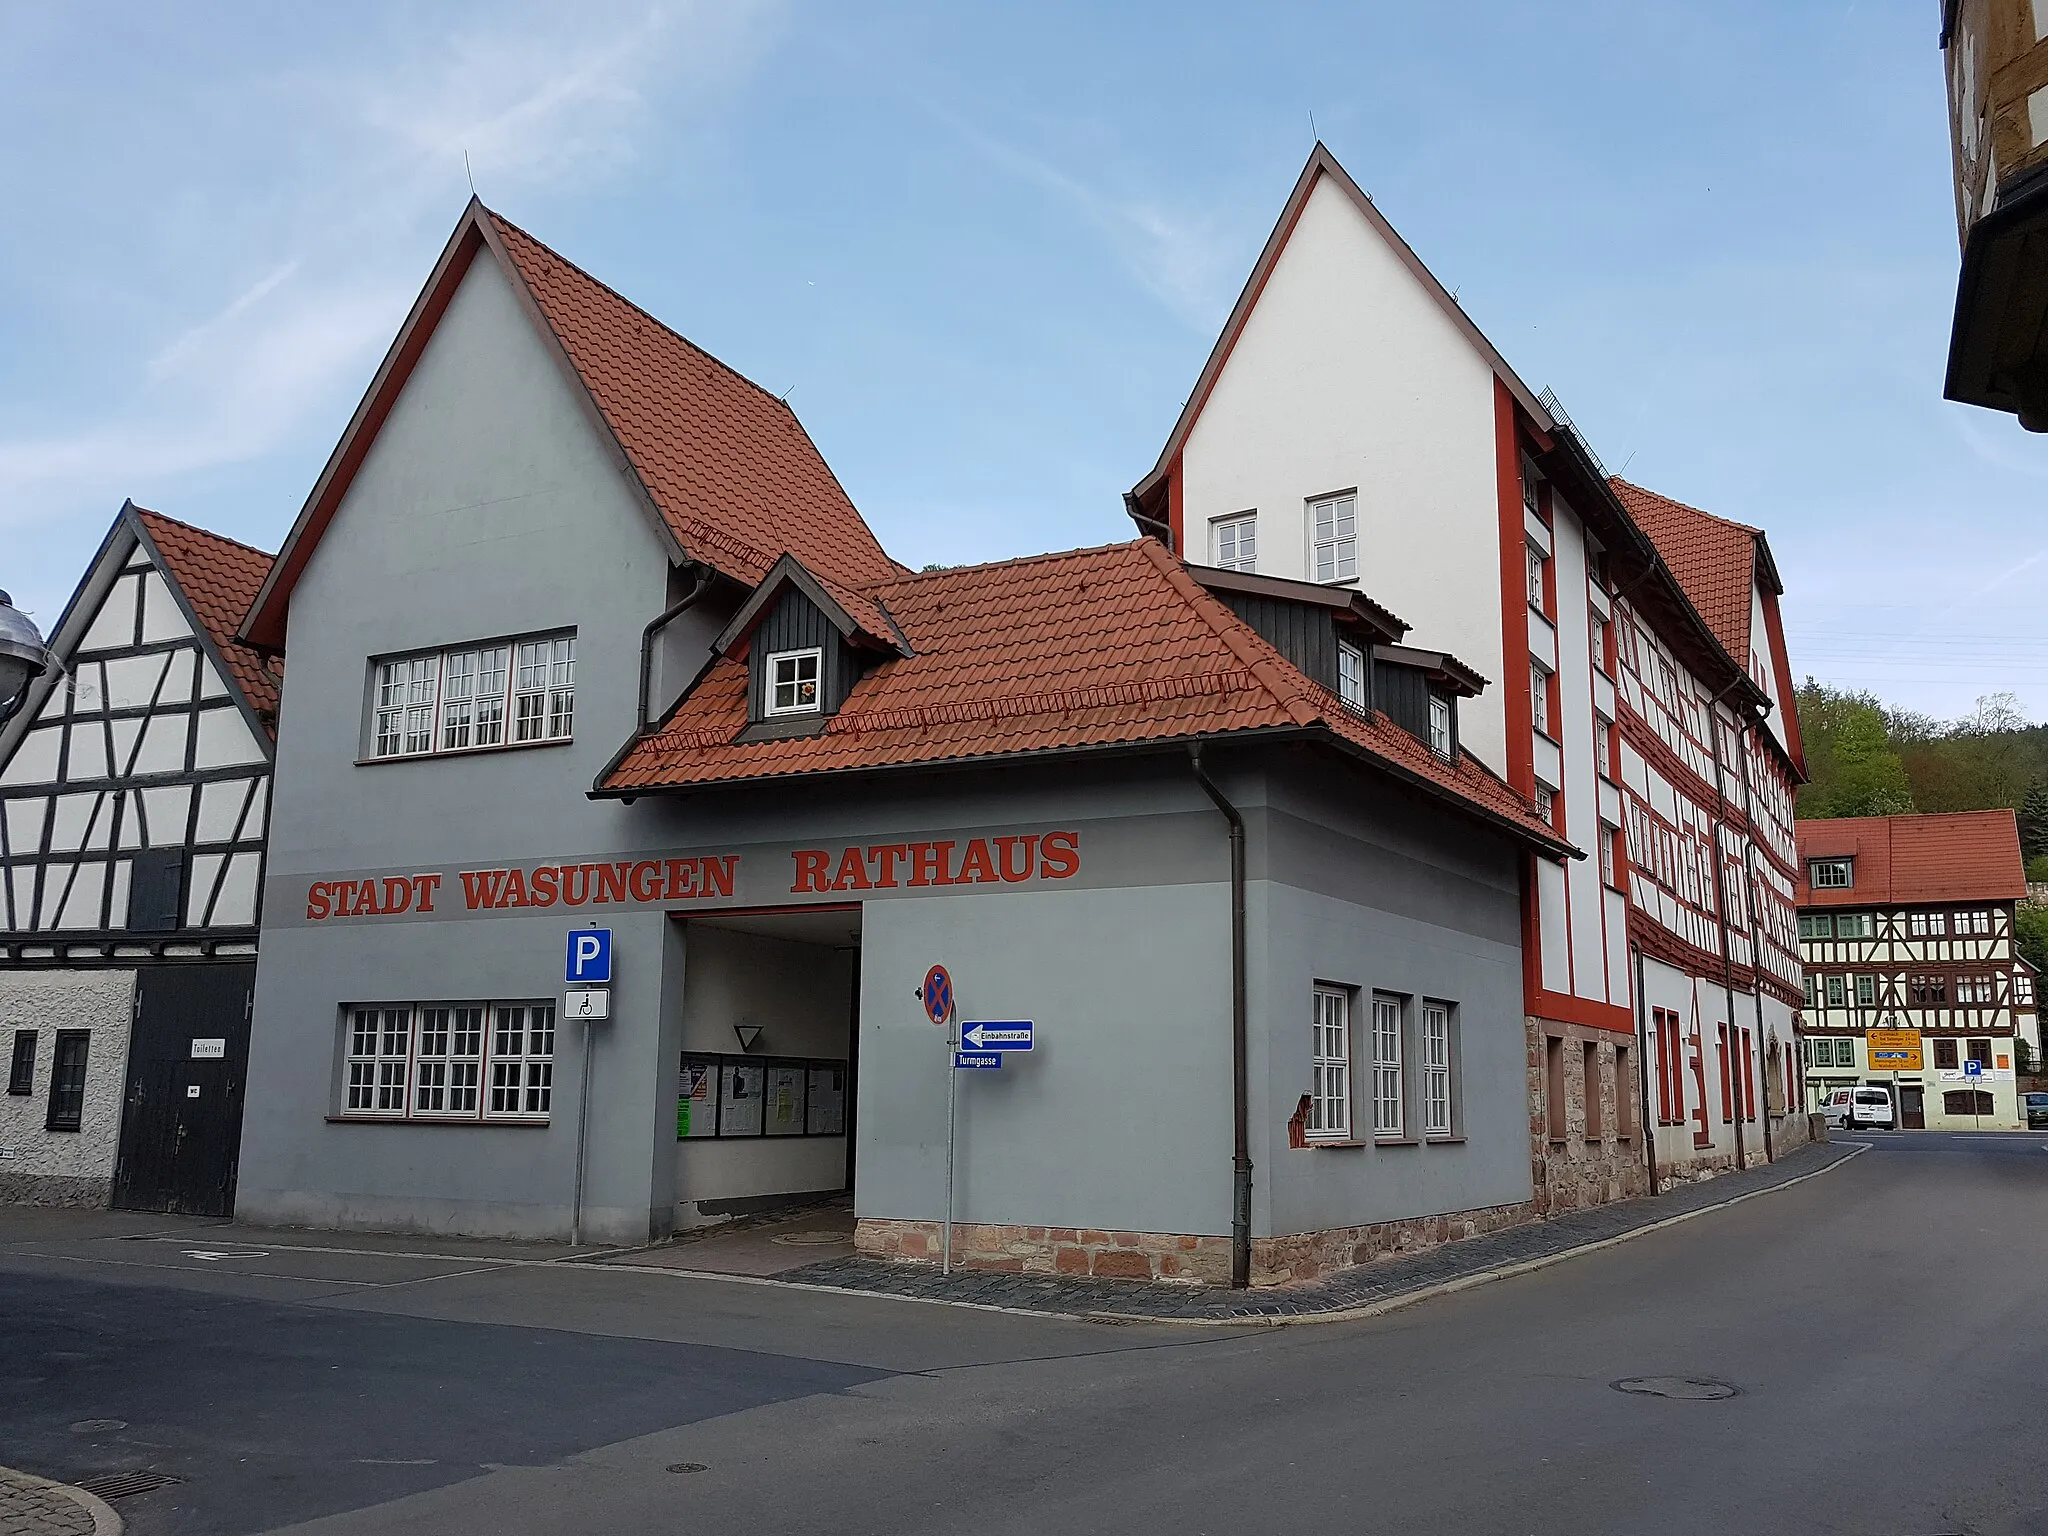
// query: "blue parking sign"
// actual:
[[590, 955]]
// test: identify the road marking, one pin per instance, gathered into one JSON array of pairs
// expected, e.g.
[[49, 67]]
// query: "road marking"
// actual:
[[215, 1258]]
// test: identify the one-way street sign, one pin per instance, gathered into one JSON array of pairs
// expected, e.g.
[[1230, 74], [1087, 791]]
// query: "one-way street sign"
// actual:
[[964, 1061], [997, 1035]]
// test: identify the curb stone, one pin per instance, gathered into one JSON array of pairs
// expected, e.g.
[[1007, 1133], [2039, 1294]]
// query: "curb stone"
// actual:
[[36, 1506]]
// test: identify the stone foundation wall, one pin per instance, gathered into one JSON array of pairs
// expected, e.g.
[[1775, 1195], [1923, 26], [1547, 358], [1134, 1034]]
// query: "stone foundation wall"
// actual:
[[1312, 1255], [1568, 1168], [1051, 1250]]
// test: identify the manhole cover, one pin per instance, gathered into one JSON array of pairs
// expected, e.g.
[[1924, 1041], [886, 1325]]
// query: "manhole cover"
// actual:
[[811, 1239], [688, 1466], [118, 1485], [98, 1426], [1694, 1389]]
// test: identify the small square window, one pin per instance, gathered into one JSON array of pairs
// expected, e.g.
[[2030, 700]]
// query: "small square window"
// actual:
[[1237, 542], [1830, 874], [793, 681]]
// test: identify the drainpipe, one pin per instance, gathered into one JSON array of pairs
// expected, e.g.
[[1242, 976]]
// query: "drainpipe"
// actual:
[[700, 583], [1240, 1068], [1643, 1069]]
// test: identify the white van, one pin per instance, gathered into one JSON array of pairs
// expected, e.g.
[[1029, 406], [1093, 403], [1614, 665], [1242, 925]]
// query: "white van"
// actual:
[[1859, 1108]]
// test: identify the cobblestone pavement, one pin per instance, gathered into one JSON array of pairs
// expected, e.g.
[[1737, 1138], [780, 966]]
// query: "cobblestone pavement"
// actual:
[[29, 1506], [1364, 1286]]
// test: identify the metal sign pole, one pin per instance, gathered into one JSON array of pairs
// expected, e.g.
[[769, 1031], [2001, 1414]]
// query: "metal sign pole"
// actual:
[[582, 1138], [952, 1118]]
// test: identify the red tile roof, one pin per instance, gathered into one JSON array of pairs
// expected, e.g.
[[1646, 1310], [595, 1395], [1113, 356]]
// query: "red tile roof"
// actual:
[[1957, 856], [1090, 648], [219, 578], [1714, 560], [730, 471]]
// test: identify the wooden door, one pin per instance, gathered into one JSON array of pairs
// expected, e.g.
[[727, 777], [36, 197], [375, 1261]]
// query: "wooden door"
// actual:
[[188, 1057]]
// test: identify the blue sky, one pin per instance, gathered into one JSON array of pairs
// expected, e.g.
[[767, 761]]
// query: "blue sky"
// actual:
[[987, 248]]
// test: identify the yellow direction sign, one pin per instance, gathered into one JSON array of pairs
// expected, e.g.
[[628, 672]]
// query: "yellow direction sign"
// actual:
[[1894, 1050]]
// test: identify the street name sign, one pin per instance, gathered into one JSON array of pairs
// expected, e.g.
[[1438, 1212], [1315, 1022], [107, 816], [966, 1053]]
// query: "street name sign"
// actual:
[[997, 1035], [977, 1061]]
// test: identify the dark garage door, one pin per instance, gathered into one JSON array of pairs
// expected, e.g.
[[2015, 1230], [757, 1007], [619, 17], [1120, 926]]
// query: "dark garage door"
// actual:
[[181, 1125]]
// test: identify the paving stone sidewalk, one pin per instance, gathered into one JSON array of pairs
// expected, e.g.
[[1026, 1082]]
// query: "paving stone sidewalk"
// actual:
[[1365, 1286], [32, 1506]]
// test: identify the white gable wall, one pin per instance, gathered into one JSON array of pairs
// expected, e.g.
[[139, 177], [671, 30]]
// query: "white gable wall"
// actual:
[[1348, 374]]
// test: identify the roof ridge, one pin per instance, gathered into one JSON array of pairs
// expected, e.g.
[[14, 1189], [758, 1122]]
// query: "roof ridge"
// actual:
[[1232, 631], [221, 538], [590, 277]]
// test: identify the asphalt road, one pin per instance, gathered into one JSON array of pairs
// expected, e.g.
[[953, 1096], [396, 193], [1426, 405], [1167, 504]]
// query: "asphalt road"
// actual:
[[1878, 1325]]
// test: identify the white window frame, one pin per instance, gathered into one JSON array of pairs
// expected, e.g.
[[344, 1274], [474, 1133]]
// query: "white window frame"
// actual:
[[1389, 1070], [1351, 674], [1866, 990], [772, 682], [1436, 1069], [479, 697], [1608, 863], [1821, 874], [1440, 737], [1536, 562], [439, 1061], [1333, 537], [1234, 542], [1329, 1102], [1539, 697], [1837, 990]]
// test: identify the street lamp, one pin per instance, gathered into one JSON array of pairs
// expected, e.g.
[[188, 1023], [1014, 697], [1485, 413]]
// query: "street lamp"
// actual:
[[22, 657]]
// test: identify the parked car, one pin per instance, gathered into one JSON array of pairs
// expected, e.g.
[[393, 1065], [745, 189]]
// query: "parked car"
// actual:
[[1834, 1108], [1848, 1109], [2037, 1109]]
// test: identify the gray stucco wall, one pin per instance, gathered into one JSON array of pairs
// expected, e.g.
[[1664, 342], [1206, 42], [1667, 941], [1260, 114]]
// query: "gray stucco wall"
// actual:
[[44, 1167], [488, 506]]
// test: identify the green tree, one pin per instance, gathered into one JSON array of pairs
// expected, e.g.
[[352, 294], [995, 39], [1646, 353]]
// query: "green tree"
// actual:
[[2030, 935], [2034, 821], [1855, 770]]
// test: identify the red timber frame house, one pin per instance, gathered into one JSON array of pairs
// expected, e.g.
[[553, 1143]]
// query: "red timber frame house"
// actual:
[[1352, 426]]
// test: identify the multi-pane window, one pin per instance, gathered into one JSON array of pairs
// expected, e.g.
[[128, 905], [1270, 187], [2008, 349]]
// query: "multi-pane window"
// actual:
[[1539, 699], [1388, 1087], [448, 1069], [1854, 925], [1975, 922], [1608, 872], [67, 1081], [1810, 989], [1924, 990], [1925, 925], [1546, 804], [1973, 989], [449, 1061], [1329, 1108], [1333, 522], [1832, 1053], [1837, 998], [462, 700], [1816, 925], [2022, 986], [1237, 542], [1535, 563], [1830, 874], [793, 681], [1866, 991], [1979, 1051], [1436, 1069], [522, 1059], [1439, 725], [21, 1069], [1351, 674], [544, 690], [1946, 1055]]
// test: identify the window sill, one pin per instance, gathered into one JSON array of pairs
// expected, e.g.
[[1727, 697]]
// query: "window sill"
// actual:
[[1395, 1141], [435, 757], [445, 1123], [1443, 1141], [1330, 1144]]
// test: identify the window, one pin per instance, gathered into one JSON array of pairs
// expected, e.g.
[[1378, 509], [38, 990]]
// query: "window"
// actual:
[[1927, 990], [1727, 1074], [21, 1071], [1967, 1101], [1388, 1088], [1236, 542], [522, 1059], [1440, 737], [1334, 522], [1854, 925], [1536, 563], [1539, 699], [1351, 674], [1670, 1068], [1945, 1055], [1972, 923], [2022, 987], [67, 1081], [449, 1061], [1866, 991], [1329, 1109], [1532, 496], [1927, 925], [1595, 1118], [1810, 990], [1598, 629], [1837, 997], [1979, 1051], [793, 681], [1830, 874], [1609, 875], [1973, 989], [461, 700], [1436, 1069], [1603, 747], [1546, 805], [1816, 925]]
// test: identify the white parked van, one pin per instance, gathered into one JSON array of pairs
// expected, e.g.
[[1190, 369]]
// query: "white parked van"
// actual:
[[1859, 1108]]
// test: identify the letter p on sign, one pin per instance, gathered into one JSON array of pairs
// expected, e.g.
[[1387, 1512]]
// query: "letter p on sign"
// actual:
[[590, 955]]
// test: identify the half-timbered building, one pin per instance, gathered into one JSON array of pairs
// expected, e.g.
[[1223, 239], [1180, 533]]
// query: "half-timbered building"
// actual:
[[1353, 427], [1912, 983], [134, 792]]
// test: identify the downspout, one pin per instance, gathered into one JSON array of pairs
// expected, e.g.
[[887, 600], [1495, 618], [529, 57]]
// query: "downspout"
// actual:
[[1643, 1069], [1240, 1064], [1151, 525], [700, 583]]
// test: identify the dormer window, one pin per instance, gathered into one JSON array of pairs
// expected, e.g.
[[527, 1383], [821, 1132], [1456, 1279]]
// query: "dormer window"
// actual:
[[1830, 874], [1440, 725], [793, 681], [1351, 675]]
